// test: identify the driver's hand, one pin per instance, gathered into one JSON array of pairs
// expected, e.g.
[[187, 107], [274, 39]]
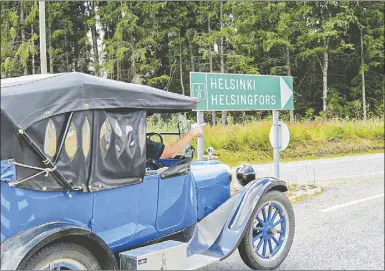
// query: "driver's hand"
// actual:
[[197, 130]]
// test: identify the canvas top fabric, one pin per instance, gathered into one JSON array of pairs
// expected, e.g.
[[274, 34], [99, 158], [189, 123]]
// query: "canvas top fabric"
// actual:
[[29, 99]]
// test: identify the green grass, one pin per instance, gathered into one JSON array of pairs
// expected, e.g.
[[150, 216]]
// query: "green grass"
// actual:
[[249, 143]]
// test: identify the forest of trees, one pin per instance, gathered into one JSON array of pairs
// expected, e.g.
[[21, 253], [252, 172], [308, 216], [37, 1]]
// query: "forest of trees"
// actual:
[[334, 50]]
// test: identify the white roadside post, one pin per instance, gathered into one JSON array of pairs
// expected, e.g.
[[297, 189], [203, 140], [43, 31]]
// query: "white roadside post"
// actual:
[[276, 142], [42, 33], [200, 144]]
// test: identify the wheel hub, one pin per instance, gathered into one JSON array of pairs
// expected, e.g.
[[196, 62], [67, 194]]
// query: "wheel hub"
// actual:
[[272, 231]]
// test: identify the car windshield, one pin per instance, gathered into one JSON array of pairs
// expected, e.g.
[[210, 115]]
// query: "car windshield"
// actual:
[[171, 126]]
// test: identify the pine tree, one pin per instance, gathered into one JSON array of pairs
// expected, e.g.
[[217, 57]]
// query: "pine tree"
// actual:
[[334, 50], [324, 34]]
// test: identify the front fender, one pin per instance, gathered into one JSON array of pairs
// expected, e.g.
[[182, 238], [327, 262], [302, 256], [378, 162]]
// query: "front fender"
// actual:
[[22, 246], [220, 233], [254, 192]]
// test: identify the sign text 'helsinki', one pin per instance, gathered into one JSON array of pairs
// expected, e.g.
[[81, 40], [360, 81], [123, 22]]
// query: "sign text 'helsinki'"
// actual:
[[220, 91]]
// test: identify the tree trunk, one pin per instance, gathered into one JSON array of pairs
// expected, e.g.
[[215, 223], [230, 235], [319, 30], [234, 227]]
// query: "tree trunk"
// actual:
[[221, 53], [191, 54], [180, 65], [50, 50], [33, 48], [213, 114], [363, 77], [288, 64], [224, 113], [76, 56], [94, 38], [191, 58], [132, 69], [25, 66], [118, 70], [325, 76]]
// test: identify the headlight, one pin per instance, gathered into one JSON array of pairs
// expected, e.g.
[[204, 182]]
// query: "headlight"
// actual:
[[245, 174]]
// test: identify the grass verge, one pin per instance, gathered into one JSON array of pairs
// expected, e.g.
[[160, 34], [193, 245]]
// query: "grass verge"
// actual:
[[249, 143], [295, 193], [298, 193]]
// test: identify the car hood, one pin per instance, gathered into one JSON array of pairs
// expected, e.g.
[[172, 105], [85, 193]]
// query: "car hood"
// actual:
[[210, 173]]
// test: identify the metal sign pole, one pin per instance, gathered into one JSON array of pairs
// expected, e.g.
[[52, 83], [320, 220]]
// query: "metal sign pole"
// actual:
[[276, 144], [42, 33], [200, 144]]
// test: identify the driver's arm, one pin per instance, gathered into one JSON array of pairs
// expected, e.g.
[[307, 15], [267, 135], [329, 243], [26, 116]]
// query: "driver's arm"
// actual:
[[178, 146]]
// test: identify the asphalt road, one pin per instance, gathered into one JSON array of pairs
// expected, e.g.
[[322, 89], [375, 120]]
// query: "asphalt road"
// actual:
[[342, 228], [319, 171]]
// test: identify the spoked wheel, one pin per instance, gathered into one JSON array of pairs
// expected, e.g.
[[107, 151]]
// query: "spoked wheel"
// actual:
[[64, 264], [62, 256], [270, 232]]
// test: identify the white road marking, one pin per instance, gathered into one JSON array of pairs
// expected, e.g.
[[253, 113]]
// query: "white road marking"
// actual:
[[344, 181], [345, 177], [359, 175], [311, 162], [310, 165], [351, 203]]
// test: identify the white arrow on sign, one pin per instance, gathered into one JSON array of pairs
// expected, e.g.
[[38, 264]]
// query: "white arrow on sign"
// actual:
[[286, 92]]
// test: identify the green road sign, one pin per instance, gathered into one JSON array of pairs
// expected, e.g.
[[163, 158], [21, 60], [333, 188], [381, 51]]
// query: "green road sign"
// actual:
[[221, 91]]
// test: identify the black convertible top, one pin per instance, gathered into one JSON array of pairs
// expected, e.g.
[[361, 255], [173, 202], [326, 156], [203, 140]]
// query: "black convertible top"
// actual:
[[28, 99]]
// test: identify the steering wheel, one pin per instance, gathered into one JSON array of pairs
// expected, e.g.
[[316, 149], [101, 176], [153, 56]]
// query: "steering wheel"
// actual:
[[149, 135], [151, 161]]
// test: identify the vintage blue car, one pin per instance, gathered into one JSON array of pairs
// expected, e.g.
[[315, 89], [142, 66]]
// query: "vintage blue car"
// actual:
[[77, 191]]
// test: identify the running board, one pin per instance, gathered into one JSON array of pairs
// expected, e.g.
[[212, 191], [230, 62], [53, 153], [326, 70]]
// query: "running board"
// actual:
[[168, 255]]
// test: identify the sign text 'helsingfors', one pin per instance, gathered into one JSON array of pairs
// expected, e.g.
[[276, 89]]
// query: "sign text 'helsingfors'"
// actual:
[[241, 92]]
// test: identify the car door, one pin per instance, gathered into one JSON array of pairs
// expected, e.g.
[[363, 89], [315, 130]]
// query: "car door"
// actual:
[[125, 217], [125, 200], [177, 206]]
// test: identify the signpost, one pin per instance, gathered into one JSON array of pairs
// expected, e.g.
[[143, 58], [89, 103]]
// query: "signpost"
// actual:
[[220, 91], [240, 92]]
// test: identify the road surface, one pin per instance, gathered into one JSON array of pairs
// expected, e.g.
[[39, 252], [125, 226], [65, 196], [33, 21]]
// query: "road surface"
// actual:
[[359, 167], [342, 228]]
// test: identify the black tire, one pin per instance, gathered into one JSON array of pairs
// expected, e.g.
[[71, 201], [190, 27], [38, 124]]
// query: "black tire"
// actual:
[[70, 253], [248, 255]]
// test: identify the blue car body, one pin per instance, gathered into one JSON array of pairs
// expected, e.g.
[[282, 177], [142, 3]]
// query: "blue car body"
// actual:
[[124, 217]]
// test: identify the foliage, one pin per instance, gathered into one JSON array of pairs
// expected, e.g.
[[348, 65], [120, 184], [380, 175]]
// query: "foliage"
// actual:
[[159, 43]]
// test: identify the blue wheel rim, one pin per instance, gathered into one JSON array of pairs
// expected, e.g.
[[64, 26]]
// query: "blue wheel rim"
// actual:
[[269, 230], [64, 264]]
